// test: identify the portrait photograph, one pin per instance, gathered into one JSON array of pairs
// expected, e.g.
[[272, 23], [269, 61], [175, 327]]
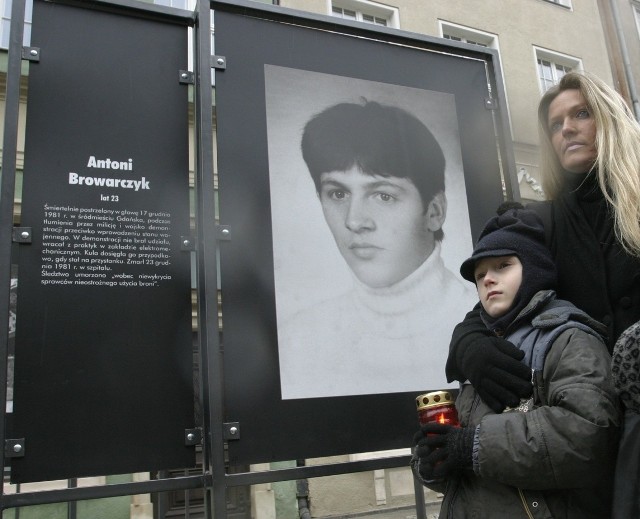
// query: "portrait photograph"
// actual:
[[370, 223]]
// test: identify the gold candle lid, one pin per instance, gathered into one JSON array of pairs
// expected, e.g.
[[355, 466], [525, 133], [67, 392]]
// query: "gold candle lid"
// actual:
[[433, 399]]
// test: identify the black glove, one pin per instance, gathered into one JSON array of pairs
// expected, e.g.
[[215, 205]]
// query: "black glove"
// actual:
[[506, 206], [490, 363], [443, 450]]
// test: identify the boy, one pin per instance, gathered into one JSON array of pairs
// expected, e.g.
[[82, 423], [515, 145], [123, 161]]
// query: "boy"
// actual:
[[554, 455]]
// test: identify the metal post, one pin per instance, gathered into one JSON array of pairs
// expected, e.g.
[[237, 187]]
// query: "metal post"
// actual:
[[421, 509], [187, 500], [72, 507], [633, 93], [17, 510], [7, 189], [208, 332]]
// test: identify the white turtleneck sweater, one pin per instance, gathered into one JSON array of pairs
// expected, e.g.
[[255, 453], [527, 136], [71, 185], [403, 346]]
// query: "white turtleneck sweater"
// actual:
[[375, 340]]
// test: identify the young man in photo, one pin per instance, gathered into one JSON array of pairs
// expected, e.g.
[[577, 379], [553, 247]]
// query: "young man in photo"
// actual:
[[379, 174]]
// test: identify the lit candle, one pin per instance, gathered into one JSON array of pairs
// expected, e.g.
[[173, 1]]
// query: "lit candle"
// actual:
[[437, 406]]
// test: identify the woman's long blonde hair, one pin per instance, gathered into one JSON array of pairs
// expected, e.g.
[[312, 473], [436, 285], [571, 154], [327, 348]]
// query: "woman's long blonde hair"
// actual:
[[617, 163]]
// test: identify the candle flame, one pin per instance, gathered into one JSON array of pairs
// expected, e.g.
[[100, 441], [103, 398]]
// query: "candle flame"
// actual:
[[441, 418]]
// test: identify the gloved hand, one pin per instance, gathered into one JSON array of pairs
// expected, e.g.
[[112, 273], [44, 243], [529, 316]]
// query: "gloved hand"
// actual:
[[443, 450], [491, 364], [507, 205], [494, 368]]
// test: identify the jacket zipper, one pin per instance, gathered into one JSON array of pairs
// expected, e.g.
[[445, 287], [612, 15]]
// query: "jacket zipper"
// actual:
[[525, 505], [474, 404]]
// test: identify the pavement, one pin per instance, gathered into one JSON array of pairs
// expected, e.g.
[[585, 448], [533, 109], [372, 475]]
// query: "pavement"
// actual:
[[398, 513]]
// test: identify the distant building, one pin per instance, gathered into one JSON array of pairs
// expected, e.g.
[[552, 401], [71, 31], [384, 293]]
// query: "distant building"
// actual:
[[538, 41]]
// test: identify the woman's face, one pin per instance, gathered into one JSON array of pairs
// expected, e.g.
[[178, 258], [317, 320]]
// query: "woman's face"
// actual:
[[572, 130]]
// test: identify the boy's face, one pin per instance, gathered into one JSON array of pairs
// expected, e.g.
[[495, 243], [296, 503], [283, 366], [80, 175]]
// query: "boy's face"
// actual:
[[379, 224], [498, 280]]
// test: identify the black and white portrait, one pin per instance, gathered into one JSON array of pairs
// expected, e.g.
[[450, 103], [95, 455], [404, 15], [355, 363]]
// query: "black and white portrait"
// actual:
[[370, 225]]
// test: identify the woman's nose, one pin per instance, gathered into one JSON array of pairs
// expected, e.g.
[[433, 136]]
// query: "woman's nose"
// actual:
[[567, 127]]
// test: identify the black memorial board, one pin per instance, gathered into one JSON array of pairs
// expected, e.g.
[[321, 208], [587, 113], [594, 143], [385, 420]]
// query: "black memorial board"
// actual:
[[306, 65], [103, 369]]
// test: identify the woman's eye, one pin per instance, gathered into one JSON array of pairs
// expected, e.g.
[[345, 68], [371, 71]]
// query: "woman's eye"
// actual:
[[480, 276], [555, 127], [583, 114]]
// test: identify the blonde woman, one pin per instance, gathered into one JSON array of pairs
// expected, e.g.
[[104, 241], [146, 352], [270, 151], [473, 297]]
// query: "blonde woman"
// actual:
[[608, 193], [590, 146]]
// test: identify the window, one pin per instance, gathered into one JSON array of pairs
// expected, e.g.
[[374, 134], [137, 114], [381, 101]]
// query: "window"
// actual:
[[365, 11], [344, 13], [5, 11], [552, 66], [463, 34], [465, 40], [373, 19], [178, 4], [5, 27], [550, 73]]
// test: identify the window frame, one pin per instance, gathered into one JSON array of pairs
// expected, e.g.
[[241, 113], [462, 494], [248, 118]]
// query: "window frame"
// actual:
[[367, 7], [468, 35], [636, 15], [5, 18], [5, 23], [555, 59]]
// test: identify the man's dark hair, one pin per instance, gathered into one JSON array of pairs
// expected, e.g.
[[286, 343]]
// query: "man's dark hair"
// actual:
[[380, 140]]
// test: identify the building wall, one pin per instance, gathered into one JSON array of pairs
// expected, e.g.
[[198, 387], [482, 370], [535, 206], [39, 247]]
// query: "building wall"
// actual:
[[626, 27], [520, 26]]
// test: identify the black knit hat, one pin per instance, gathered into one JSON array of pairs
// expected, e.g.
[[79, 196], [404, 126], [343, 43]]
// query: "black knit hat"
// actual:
[[516, 232]]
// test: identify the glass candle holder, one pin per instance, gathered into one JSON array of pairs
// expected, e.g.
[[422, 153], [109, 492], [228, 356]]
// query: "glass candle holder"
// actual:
[[437, 407]]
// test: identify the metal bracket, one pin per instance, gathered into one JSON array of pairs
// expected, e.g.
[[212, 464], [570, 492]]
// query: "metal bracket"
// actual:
[[187, 243], [187, 77], [14, 448], [193, 436], [218, 62], [223, 232], [21, 234], [31, 53], [490, 103], [231, 431]]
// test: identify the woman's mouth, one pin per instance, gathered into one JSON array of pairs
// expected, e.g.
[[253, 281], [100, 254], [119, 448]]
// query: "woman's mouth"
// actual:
[[572, 146]]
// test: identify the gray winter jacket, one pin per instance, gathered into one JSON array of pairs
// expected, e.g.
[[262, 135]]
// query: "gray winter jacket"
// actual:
[[554, 459]]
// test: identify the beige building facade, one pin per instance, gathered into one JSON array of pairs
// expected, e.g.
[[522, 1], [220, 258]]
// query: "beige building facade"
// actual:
[[622, 23], [537, 41]]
